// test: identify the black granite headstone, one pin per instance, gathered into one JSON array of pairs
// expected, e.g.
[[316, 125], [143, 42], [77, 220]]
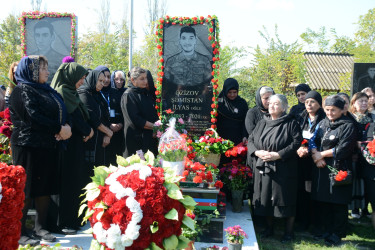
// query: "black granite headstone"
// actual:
[[363, 76], [187, 88]]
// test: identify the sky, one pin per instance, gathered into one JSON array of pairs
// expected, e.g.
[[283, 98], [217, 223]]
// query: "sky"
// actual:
[[240, 20]]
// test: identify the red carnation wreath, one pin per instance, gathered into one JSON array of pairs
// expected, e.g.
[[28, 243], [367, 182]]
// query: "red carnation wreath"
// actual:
[[12, 184], [137, 206]]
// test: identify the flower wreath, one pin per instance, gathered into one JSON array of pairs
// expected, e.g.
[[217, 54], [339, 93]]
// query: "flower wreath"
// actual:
[[40, 15], [213, 35], [12, 184], [137, 206]]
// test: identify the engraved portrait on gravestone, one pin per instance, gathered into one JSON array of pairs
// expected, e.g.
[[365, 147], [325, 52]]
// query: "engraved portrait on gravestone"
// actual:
[[188, 67], [186, 87], [50, 37]]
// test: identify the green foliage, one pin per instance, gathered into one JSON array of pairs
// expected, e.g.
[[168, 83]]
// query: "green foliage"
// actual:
[[111, 50], [10, 49], [365, 34]]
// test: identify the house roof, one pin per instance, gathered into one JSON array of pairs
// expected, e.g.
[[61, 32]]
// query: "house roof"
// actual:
[[323, 70]]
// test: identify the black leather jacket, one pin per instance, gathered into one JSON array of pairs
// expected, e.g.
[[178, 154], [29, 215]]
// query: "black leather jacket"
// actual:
[[36, 117]]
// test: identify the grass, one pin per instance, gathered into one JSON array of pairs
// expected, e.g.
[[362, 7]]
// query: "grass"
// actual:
[[361, 235]]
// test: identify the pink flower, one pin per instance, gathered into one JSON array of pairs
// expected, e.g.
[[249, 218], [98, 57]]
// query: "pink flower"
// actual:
[[180, 120], [159, 134]]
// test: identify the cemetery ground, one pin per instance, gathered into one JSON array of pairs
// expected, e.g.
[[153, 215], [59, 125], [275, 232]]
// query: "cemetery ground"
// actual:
[[361, 235]]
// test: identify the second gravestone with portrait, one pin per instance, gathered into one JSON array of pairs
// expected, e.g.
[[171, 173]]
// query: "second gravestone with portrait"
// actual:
[[187, 83]]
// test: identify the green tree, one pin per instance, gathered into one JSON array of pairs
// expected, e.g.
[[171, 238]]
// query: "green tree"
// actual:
[[10, 49], [365, 34]]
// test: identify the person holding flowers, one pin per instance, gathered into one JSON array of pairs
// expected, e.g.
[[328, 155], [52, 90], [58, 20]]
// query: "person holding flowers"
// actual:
[[334, 142], [139, 113], [231, 113], [308, 121], [273, 145], [39, 116]]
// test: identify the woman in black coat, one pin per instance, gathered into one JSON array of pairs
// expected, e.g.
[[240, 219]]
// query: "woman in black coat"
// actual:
[[301, 92], [335, 141], [257, 113], [89, 93], [309, 121], [117, 145], [231, 113], [139, 113], [273, 145], [67, 79], [39, 117], [369, 175]]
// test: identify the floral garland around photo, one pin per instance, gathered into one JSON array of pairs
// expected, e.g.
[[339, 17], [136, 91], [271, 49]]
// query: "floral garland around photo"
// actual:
[[213, 35], [12, 184], [137, 206], [40, 15]]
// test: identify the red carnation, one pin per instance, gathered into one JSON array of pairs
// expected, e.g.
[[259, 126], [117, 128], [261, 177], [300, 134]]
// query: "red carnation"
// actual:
[[219, 184], [197, 179]]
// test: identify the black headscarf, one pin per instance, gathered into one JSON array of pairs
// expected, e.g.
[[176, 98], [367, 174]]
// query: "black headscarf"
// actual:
[[105, 90], [258, 99], [90, 85], [302, 87], [336, 101], [235, 109]]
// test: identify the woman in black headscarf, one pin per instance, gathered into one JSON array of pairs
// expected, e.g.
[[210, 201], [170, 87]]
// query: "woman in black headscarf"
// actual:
[[231, 113], [335, 141], [116, 147], [67, 79], [39, 117], [257, 113], [309, 121], [90, 95], [139, 113], [301, 92]]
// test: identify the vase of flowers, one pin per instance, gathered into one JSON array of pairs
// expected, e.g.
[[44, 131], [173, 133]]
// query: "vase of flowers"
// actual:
[[173, 149], [236, 177], [235, 236], [211, 146]]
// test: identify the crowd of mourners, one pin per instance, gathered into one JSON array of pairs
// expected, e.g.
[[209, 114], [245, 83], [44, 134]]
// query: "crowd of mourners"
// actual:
[[85, 117]]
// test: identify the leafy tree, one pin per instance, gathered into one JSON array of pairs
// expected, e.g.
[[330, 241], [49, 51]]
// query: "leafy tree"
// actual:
[[365, 34], [10, 49]]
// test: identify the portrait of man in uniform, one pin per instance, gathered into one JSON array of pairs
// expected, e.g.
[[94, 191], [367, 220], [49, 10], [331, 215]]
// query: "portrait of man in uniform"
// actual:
[[188, 67], [363, 76], [43, 39], [367, 80]]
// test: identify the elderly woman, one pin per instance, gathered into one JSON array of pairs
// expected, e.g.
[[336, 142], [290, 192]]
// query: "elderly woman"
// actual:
[[359, 111], [116, 147], [67, 79], [231, 113], [39, 118], [301, 92], [139, 115], [335, 141], [89, 93], [257, 113], [273, 144], [309, 121]]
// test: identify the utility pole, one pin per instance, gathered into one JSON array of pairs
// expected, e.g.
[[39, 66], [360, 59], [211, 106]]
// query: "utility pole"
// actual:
[[131, 37]]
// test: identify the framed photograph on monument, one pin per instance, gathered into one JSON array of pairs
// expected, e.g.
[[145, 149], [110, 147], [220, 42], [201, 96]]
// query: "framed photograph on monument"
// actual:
[[187, 77], [363, 77], [49, 34]]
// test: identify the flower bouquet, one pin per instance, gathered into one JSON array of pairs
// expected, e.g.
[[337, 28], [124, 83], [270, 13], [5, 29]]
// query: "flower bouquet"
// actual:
[[12, 184], [199, 173], [137, 206], [368, 151], [236, 175], [162, 125], [172, 148], [6, 127], [239, 150], [339, 177], [211, 144], [235, 234]]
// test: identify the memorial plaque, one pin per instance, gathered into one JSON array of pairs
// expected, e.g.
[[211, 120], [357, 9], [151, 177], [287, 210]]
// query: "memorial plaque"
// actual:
[[187, 83], [363, 77], [51, 35]]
